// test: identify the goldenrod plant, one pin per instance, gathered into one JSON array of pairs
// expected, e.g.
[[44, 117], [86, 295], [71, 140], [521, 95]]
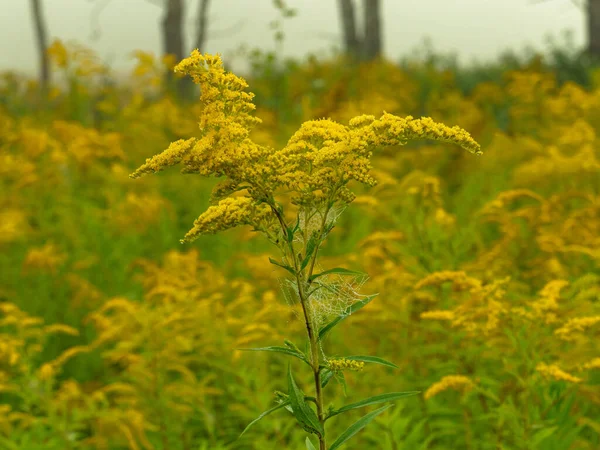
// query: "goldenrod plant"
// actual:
[[294, 196], [487, 269]]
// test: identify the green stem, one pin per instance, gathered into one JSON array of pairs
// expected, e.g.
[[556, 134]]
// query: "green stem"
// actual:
[[314, 256], [312, 334]]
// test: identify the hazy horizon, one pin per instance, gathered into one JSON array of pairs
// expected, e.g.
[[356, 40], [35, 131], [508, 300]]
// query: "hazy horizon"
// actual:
[[472, 28]]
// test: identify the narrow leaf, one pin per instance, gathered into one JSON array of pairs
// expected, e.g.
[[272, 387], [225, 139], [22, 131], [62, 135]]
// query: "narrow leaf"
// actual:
[[355, 307], [285, 350], [356, 427], [372, 359], [297, 225], [342, 380], [286, 267], [10, 445], [310, 248], [542, 435], [309, 445], [330, 226], [326, 375], [291, 231], [291, 345], [303, 413], [372, 401], [338, 270], [267, 412]]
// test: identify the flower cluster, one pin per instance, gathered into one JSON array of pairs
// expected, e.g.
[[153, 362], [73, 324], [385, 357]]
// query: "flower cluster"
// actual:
[[315, 165], [339, 364], [554, 372], [456, 382]]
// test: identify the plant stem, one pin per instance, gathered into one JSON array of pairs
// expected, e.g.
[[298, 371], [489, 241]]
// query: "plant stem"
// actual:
[[314, 348], [312, 334]]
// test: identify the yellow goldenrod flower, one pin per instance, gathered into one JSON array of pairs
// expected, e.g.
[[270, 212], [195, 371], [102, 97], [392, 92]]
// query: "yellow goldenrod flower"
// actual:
[[316, 164], [228, 213], [499, 204], [338, 364], [456, 382], [13, 225], [459, 278], [60, 328], [10, 351], [171, 156], [577, 325], [438, 315], [390, 129], [556, 373], [593, 364], [46, 372], [58, 53], [69, 353], [47, 257]]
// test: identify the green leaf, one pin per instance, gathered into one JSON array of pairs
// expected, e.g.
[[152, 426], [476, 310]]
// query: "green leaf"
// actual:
[[355, 307], [310, 248], [277, 349], [308, 398], [267, 412], [297, 227], [373, 400], [278, 206], [330, 226], [9, 445], [292, 346], [326, 375], [290, 231], [356, 427], [288, 268], [338, 270], [487, 393], [303, 413], [542, 435], [309, 445], [342, 380], [372, 359]]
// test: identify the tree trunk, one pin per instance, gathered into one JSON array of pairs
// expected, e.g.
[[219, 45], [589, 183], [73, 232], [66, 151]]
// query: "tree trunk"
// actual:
[[201, 25], [351, 39], [42, 43], [593, 27], [172, 28], [372, 41]]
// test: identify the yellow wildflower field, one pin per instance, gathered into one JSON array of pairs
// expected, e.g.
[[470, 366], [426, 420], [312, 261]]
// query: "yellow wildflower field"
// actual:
[[116, 335]]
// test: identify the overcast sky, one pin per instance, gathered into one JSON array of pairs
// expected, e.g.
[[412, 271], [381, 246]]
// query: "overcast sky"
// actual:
[[473, 28]]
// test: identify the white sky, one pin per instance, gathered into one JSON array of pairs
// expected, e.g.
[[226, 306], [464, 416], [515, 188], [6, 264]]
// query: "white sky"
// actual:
[[473, 28]]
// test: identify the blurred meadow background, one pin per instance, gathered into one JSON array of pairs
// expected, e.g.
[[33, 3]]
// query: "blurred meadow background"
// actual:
[[115, 336]]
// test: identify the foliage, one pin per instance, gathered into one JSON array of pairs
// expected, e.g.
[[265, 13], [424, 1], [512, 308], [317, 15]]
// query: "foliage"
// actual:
[[486, 269]]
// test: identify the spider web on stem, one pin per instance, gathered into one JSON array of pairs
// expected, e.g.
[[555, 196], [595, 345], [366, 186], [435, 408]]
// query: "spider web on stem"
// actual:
[[331, 296], [314, 223]]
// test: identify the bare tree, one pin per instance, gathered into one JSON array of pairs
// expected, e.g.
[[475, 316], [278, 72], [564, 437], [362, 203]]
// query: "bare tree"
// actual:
[[172, 32], [350, 35], [591, 9], [593, 27], [369, 45], [172, 42], [372, 40], [41, 38], [201, 24], [172, 28]]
